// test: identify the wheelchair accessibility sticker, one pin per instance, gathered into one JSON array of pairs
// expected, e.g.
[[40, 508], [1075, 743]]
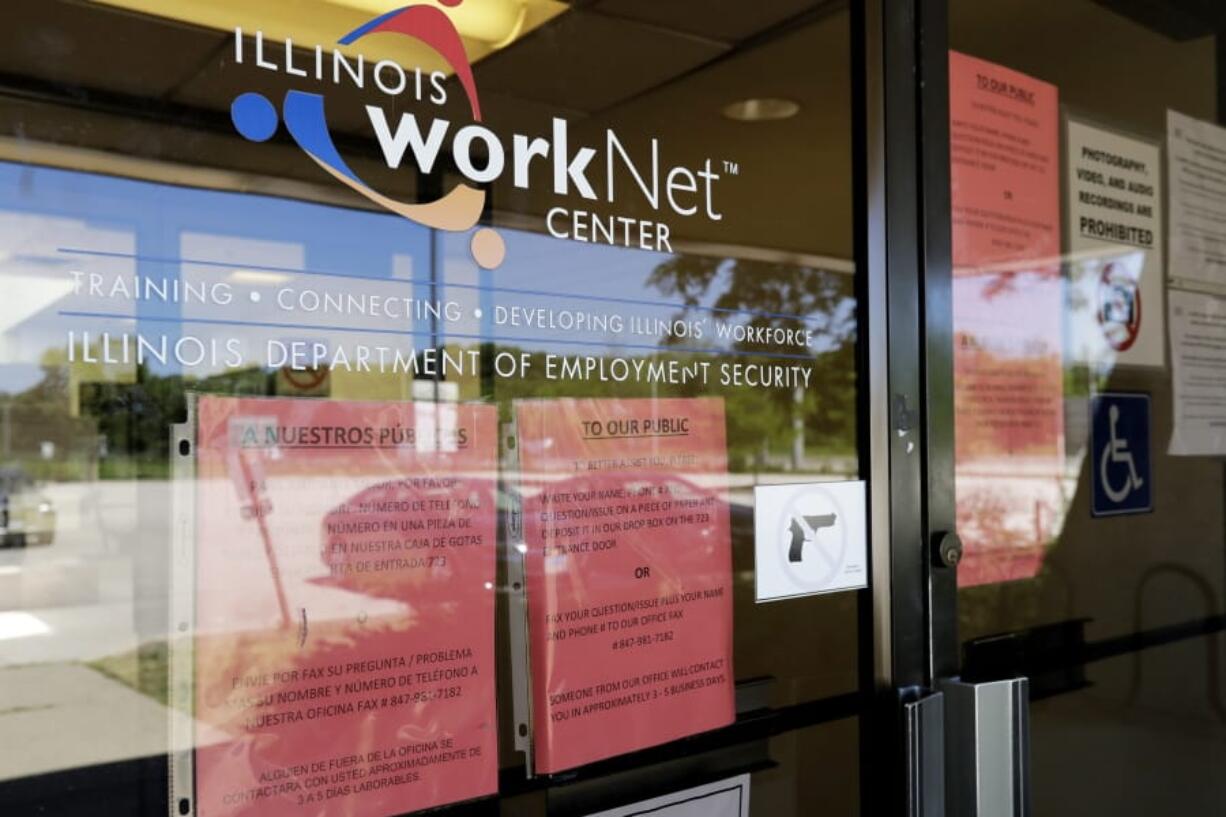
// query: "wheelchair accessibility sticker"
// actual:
[[1120, 448]]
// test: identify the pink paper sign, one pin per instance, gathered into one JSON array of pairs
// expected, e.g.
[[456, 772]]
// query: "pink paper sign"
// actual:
[[1008, 305], [629, 573], [345, 607]]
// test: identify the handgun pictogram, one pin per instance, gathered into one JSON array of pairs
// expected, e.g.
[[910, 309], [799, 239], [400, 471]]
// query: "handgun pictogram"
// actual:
[[804, 529]]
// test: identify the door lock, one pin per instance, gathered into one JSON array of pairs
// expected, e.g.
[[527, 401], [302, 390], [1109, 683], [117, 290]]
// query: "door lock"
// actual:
[[948, 549]]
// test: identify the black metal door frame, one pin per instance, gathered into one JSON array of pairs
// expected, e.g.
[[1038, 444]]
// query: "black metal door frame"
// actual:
[[903, 243]]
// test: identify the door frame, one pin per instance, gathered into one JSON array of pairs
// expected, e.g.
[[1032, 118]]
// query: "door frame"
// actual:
[[903, 239]]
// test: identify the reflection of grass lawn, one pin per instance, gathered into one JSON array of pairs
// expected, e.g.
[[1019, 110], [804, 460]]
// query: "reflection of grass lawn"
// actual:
[[144, 670], [76, 469]]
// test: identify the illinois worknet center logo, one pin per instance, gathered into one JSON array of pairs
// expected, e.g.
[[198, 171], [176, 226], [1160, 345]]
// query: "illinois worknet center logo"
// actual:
[[255, 117], [601, 174]]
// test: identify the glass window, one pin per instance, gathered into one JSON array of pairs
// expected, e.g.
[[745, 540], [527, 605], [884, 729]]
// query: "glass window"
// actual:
[[384, 396]]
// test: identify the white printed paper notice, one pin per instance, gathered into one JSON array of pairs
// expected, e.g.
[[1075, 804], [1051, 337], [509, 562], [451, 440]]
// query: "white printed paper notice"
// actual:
[[1198, 373], [726, 798], [809, 538], [1196, 156]]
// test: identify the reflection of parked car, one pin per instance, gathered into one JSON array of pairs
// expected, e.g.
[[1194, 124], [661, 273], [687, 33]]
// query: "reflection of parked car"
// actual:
[[26, 516]]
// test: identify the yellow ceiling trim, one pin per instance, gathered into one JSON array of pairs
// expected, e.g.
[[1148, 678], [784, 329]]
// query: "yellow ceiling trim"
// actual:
[[484, 25]]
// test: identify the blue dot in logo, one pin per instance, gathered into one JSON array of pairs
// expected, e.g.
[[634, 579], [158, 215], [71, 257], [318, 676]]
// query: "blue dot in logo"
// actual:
[[254, 116]]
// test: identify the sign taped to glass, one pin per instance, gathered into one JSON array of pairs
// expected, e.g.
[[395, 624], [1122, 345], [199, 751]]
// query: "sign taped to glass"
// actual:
[[1008, 298], [629, 573], [344, 606]]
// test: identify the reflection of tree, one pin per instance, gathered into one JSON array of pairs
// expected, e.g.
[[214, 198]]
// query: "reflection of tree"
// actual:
[[125, 425], [777, 295], [768, 290], [135, 418]]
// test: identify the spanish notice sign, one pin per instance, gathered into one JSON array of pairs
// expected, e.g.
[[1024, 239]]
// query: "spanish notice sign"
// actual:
[[1008, 313], [344, 606], [629, 573]]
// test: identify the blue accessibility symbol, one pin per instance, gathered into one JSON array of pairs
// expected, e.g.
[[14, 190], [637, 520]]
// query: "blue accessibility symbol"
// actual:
[[1119, 446]]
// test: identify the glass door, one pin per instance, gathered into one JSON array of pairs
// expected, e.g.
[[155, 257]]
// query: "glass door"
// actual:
[[1087, 163]]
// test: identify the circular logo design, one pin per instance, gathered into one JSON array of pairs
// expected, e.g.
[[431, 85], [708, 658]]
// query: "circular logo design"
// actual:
[[811, 538], [255, 118], [1119, 307]]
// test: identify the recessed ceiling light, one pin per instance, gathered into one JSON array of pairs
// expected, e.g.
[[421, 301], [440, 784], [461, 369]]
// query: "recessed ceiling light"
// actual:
[[761, 110]]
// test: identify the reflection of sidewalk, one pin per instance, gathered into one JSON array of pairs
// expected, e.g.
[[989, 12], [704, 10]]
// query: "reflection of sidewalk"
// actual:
[[67, 634], [62, 716]]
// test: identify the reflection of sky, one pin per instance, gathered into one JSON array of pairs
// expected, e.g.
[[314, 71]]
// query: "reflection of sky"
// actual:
[[58, 222], [541, 262], [28, 263], [1016, 312], [131, 227], [1011, 314]]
